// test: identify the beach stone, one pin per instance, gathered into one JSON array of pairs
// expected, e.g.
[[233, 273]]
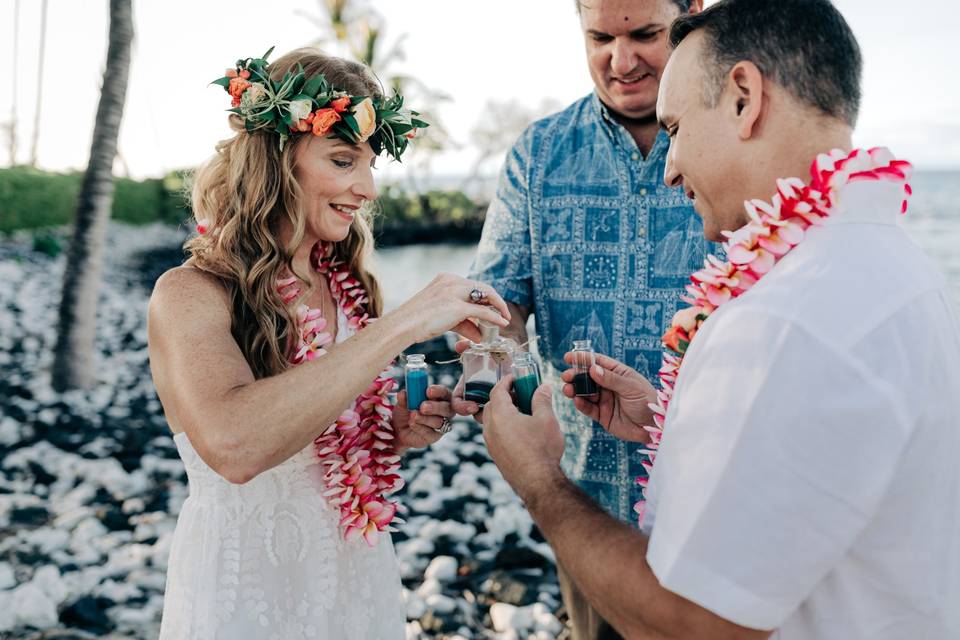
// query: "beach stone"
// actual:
[[508, 617], [7, 577], [441, 604], [33, 607], [441, 568], [89, 613]]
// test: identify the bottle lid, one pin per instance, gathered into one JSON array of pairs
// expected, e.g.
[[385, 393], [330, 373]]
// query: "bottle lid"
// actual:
[[522, 357], [489, 331], [582, 345], [416, 358]]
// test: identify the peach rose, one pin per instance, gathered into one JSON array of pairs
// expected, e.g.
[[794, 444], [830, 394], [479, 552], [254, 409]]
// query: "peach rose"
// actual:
[[366, 117], [323, 121], [687, 318]]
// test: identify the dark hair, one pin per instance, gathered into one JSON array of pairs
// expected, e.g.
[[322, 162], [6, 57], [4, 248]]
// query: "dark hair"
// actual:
[[682, 5], [805, 46]]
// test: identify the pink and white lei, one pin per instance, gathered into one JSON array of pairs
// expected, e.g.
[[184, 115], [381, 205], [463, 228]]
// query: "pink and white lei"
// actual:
[[357, 451], [752, 251]]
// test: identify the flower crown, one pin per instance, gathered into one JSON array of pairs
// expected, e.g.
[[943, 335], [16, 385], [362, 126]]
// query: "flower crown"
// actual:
[[297, 104]]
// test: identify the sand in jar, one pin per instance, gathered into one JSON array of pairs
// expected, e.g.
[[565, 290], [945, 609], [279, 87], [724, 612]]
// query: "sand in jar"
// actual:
[[526, 381], [416, 380]]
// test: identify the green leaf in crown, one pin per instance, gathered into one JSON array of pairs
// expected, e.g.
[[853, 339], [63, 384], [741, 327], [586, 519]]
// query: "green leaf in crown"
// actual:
[[296, 104]]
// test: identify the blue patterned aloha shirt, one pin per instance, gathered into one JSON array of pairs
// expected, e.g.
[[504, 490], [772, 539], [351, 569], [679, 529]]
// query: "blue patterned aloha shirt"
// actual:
[[583, 231]]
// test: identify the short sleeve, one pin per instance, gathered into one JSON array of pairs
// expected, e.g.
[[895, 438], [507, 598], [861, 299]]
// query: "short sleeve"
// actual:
[[777, 452], [503, 257]]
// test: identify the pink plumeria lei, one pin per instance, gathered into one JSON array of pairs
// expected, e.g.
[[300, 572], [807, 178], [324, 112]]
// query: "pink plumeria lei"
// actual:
[[357, 451], [752, 251]]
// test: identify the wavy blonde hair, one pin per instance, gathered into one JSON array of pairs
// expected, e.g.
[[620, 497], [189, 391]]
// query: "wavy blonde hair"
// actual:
[[243, 192]]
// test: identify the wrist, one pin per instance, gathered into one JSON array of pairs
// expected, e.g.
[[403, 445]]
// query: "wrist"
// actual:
[[399, 330]]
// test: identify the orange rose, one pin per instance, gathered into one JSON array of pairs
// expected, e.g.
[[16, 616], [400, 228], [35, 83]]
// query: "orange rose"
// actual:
[[237, 87], [340, 104], [676, 339], [323, 120]]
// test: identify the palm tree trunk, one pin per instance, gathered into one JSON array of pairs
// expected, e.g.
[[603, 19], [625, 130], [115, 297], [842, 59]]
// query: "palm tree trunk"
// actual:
[[36, 118], [73, 365], [13, 83]]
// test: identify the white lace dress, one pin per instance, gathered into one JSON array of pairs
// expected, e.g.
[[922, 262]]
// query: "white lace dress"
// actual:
[[266, 560]]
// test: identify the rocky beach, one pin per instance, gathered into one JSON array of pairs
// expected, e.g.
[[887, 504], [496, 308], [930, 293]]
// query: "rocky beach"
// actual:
[[91, 483]]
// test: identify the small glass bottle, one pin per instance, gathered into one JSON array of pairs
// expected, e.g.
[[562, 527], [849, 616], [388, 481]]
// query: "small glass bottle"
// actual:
[[416, 380], [527, 379], [583, 360], [484, 363]]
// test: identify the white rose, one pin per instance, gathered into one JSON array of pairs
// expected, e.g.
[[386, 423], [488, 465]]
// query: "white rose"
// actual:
[[366, 117], [300, 109]]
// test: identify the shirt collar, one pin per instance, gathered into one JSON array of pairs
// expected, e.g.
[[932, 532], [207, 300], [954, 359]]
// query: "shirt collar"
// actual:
[[868, 202], [622, 138]]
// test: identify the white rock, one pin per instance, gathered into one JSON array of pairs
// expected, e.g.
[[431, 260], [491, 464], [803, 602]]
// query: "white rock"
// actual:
[[509, 518], [8, 618], [429, 588], [117, 591], [544, 620], [48, 579], [441, 603], [506, 616], [413, 631], [33, 607], [416, 606], [7, 578], [9, 431], [47, 539], [442, 568], [414, 547]]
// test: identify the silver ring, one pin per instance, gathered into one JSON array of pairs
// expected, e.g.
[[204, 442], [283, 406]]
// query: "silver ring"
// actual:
[[446, 427], [477, 296]]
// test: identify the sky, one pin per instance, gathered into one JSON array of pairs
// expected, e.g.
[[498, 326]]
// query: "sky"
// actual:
[[526, 51]]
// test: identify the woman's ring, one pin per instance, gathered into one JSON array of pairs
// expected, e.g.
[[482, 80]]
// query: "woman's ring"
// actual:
[[477, 296], [446, 427]]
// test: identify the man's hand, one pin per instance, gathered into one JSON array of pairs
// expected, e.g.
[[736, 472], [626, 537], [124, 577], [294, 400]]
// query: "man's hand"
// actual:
[[418, 429], [621, 406], [527, 449]]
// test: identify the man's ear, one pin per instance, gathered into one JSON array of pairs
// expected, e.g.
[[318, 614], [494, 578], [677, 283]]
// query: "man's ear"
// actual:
[[696, 6], [746, 98]]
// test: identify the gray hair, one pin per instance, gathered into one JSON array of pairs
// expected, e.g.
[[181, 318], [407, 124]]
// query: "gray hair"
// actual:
[[805, 46]]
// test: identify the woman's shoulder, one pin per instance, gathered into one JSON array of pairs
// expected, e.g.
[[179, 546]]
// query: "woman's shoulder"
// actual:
[[188, 290]]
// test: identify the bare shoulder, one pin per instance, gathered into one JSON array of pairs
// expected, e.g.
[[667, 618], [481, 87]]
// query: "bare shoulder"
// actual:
[[188, 295]]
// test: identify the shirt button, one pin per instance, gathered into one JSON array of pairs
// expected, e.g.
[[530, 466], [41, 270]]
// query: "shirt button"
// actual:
[[635, 156], [643, 232], [643, 192]]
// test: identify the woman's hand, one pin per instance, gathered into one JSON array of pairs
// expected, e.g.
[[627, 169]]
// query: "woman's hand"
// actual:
[[421, 428], [445, 305], [621, 404]]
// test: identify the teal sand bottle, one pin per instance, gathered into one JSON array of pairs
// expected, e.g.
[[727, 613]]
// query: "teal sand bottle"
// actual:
[[583, 360], [526, 380], [416, 380]]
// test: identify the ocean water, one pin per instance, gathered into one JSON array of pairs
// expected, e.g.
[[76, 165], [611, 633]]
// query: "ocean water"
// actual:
[[933, 221]]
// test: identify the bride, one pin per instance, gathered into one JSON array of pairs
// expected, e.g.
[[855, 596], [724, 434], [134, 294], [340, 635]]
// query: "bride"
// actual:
[[269, 365]]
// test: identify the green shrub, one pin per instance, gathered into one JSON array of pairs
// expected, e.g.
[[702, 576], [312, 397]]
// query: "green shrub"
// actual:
[[32, 199]]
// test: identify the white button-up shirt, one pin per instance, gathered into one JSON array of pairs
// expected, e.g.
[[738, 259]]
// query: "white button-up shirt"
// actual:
[[809, 474]]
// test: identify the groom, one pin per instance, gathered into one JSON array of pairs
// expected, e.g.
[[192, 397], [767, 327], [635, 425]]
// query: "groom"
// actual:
[[807, 481]]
